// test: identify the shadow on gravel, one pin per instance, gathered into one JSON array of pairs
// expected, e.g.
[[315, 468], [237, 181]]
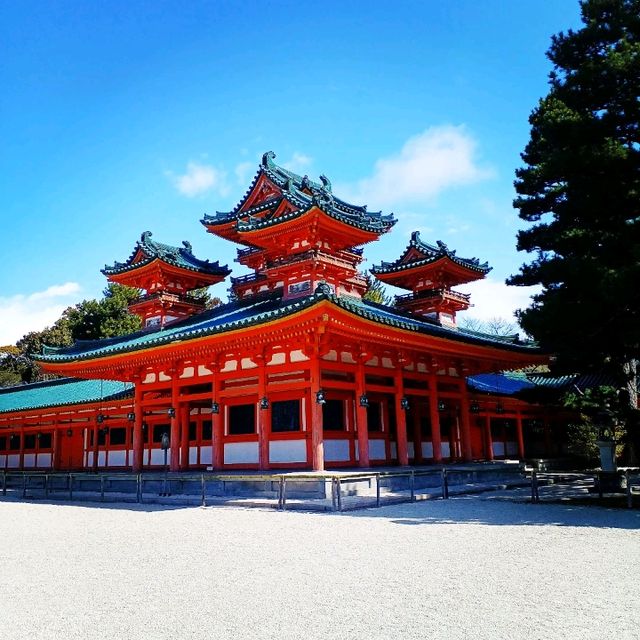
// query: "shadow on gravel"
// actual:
[[88, 504], [499, 512]]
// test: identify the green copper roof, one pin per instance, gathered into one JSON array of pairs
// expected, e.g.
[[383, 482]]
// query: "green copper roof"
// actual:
[[302, 194], [176, 256], [259, 310], [430, 253], [61, 392]]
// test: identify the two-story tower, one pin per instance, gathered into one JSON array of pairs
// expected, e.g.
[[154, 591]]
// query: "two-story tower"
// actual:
[[296, 234], [430, 272], [167, 275]]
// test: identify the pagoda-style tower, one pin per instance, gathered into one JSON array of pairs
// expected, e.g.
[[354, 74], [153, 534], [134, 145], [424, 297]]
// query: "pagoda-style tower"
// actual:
[[429, 272], [297, 234], [166, 274]]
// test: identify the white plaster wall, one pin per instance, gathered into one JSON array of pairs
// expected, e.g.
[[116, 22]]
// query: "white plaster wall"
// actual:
[[287, 451], [157, 456], [427, 450], [512, 448], [241, 453], [411, 449], [278, 358], [29, 460], [498, 448], [332, 356], [394, 449], [188, 372], [206, 455], [336, 450], [44, 460], [3, 461], [89, 460], [150, 377], [117, 458], [13, 461], [203, 371], [248, 363], [297, 356], [193, 455], [102, 458], [386, 363], [377, 450], [163, 377], [230, 365], [446, 450]]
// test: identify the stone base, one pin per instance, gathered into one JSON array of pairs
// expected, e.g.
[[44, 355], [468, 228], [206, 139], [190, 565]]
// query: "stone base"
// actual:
[[610, 483]]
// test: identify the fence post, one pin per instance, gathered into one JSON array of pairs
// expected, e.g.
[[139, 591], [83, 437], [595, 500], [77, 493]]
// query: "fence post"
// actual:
[[139, 487], [339, 493], [204, 492], [24, 486], [101, 488], [283, 493], [412, 486], [445, 484], [4, 482], [377, 489], [628, 480], [70, 486], [46, 485], [599, 481], [333, 494], [534, 486]]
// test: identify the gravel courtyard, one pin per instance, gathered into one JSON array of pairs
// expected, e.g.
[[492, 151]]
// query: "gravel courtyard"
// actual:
[[464, 568]]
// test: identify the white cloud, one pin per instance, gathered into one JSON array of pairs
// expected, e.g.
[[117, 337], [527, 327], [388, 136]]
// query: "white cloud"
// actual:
[[298, 162], [22, 313], [428, 163], [243, 172], [200, 178], [494, 299]]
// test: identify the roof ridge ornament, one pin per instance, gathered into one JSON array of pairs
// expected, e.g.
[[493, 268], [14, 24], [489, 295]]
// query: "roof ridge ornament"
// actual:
[[267, 159], [326, 183], [146, 235], [188, 246]]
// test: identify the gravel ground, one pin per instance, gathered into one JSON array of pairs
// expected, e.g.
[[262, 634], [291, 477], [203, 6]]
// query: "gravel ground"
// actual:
[[475, 567]]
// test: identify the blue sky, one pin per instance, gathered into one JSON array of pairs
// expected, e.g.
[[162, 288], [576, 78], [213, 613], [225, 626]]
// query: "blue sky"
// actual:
[[118, 117]]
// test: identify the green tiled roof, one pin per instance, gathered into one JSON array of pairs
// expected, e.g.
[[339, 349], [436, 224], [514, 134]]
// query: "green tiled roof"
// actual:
[[60, 392], [177, 256], [258, 310], [430, 254], [303, 194]]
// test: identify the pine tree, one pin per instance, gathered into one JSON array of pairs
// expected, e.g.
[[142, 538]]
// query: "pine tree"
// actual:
[[580, 192]]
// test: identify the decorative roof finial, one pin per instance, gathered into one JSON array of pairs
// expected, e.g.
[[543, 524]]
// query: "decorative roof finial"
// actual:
[[305, 184], [187, 245], [267, 159], [145, 236], [326, 183], [415, 236]]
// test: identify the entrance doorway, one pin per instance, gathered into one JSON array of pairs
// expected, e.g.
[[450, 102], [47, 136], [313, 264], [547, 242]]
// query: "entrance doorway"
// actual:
[[71, 449]]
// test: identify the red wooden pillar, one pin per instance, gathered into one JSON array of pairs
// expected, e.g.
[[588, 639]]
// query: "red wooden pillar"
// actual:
[[184, 436], [264, 414], [21, 448], [317, 426], [174, 461], [520, 435], [361, 418], [217, 424], [488, 438], [138, 436], [96, 428], [467, 453], [434, 414], [401, 419]]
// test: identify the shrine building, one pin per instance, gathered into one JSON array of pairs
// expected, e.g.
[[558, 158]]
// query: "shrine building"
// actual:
[[298, 370]]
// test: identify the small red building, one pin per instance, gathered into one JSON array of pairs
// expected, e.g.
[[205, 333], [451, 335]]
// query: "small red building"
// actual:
[[298, 371]]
